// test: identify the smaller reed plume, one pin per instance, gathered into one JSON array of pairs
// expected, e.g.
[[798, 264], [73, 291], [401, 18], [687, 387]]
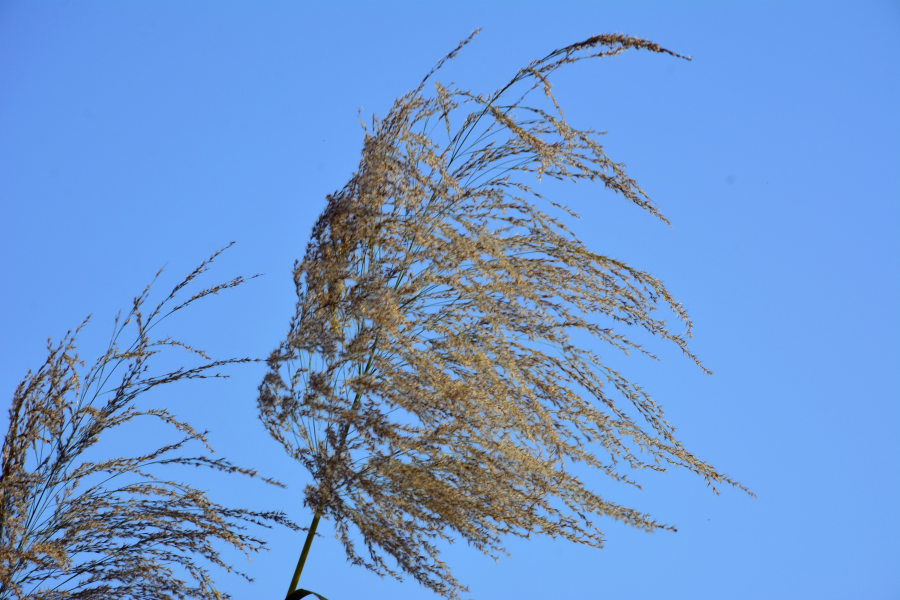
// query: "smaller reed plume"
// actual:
[[75, 529]]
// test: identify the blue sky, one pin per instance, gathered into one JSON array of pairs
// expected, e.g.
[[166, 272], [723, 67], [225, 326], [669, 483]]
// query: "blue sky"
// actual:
[[137, 135]]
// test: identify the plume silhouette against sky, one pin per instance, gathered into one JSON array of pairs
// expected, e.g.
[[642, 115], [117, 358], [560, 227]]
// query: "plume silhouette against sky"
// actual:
[[139, 135]]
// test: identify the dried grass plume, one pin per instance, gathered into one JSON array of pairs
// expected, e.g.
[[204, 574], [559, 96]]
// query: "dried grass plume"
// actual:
[[71, 528], [428, 381]]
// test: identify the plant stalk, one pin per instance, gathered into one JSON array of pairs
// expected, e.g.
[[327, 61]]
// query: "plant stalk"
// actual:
[[343, 440], [303, 555]]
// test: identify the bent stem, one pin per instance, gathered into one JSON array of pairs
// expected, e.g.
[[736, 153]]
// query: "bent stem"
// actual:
[[305, 553]]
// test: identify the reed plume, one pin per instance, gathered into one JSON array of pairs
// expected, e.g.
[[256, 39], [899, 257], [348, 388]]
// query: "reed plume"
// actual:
[[71, 528], [428, 381]]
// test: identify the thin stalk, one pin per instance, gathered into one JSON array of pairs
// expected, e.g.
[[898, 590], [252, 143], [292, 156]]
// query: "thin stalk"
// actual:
[[343, 438], [305, 553], [315, 522]]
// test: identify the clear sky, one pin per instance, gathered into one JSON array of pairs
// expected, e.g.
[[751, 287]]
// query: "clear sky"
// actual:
[[137, 135]]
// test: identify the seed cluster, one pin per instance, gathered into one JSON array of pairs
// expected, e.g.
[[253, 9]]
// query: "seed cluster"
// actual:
[[428, 381], [71, 528]]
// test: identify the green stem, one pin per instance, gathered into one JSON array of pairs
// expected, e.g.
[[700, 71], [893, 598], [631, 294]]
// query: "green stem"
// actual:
[[315, 521], [343, 439], [305, 553]]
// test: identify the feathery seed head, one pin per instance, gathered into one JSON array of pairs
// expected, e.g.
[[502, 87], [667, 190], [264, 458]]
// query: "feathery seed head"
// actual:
[[428, 381]]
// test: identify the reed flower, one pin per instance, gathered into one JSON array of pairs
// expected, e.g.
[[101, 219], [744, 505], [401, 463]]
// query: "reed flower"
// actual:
[[71, 528], [428, 380]]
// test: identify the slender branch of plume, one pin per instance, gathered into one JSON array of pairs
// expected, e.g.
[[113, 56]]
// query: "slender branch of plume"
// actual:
[[428, 380], [76, 529]]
